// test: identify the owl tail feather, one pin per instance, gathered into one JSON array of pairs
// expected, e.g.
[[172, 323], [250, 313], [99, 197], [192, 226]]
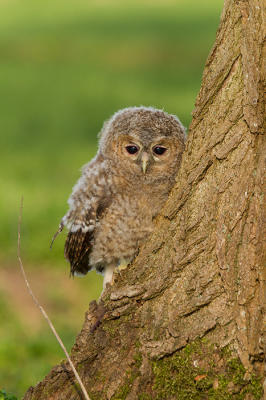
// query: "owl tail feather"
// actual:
[[61, 227]]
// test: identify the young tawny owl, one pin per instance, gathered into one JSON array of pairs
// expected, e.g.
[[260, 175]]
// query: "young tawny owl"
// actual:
[[122, 189]]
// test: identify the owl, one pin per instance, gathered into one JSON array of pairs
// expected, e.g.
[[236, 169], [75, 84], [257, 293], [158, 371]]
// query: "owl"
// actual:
[[114, 203]]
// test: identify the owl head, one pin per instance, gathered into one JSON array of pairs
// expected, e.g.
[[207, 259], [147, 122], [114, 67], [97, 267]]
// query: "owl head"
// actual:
[[146, 142]]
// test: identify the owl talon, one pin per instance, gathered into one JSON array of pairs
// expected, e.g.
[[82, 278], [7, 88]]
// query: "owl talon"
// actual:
[[119, 272]]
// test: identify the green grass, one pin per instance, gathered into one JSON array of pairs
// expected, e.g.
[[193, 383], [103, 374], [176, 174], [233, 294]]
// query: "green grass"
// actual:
[[7, 396], [65, 67]]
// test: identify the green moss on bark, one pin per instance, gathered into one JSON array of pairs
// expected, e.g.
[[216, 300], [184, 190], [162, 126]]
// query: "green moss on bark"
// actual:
[[192, 374]]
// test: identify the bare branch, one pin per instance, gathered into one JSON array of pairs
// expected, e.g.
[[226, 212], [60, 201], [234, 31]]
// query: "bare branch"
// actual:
[[46, 316]]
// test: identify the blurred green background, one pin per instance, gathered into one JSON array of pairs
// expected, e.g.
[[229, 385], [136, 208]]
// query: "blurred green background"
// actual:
[[65, 67]]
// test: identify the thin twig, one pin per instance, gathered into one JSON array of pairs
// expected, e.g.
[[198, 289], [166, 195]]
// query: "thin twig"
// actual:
[[46, 316]]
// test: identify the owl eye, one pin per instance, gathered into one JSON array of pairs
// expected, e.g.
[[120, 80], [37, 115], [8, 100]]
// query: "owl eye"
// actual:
[[132, 149], [159, 150]]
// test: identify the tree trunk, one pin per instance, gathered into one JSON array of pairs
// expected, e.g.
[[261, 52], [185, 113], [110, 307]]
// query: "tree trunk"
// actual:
[[188, 319]]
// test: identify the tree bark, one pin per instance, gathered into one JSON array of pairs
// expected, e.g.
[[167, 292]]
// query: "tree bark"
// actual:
[[187, 320]]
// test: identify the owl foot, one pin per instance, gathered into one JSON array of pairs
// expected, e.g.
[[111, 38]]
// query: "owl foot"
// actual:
[[109, 274], [117, 270], [123, 265]]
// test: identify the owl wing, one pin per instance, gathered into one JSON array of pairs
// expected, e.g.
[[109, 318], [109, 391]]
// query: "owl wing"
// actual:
[[89, 200]]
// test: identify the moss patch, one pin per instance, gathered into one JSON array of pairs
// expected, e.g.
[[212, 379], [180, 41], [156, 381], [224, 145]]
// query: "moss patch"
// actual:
[[131, 375], [138, 359], [144, 396], [193, 374], [200, 371], [122, 393]]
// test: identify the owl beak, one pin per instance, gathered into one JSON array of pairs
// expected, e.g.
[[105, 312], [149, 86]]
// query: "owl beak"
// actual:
[[144, 160]]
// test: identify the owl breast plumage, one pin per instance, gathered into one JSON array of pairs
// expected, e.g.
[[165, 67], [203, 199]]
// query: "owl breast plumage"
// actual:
[[113, 205]]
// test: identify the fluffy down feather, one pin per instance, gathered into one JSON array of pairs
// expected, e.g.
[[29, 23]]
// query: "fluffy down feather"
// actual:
[[112, 206]]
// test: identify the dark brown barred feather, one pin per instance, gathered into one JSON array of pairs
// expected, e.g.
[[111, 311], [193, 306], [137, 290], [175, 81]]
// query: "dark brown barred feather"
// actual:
[[76, 251]]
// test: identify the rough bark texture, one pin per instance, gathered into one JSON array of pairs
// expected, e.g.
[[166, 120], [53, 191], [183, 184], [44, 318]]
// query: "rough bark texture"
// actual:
[[188, 318]]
